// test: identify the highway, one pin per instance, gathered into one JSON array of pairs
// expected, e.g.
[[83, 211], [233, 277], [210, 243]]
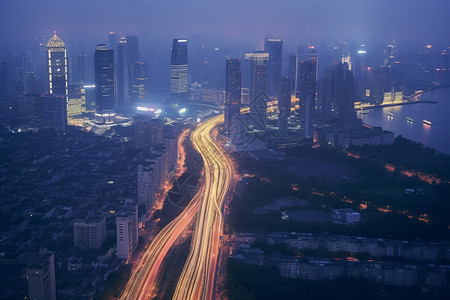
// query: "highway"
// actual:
[[198, 275], [197, 278]]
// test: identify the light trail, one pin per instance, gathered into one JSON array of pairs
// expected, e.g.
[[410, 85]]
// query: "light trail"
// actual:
[[198, 275]]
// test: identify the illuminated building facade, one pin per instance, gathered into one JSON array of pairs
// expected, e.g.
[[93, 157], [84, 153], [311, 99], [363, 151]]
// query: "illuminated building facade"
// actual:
[[179, 76], [104, 85], [57, 66], [233, 93]]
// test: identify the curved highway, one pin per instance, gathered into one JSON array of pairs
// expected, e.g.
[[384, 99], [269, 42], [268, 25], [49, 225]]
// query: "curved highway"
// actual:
[[197, 278]]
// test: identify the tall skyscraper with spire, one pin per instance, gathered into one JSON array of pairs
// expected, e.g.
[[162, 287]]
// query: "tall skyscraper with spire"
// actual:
[[233, 93], [179, 76], [57, 67], [104, 85]]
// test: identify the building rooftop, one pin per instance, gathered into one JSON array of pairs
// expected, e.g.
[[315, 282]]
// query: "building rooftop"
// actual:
[[55, 42]]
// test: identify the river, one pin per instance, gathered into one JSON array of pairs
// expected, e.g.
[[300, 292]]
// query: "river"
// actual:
[[436, 135]]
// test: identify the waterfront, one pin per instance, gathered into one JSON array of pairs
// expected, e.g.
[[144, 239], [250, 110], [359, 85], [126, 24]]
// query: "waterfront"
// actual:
[[407, 120]]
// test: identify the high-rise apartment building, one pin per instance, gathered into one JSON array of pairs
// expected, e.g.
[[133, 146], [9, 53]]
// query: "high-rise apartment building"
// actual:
[[127, 232], [179, 76], [41, 276], [274, 47], [89, 233], [104, 85], [146, 184], [233, 93], [148, 132]]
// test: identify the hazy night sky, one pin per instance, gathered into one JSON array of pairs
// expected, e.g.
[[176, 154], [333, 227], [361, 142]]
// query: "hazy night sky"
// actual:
[[238, 20]]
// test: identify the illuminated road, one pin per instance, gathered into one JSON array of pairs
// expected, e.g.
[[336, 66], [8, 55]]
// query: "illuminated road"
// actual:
[[197, 278]]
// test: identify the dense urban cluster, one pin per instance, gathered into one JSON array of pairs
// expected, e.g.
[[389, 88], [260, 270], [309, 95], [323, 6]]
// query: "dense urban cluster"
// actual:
[[87, 155]]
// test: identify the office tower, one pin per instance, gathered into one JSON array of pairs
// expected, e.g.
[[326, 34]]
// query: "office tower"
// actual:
[[139, 82], [30, 83], [338, 92], [89, 233], [345, 89], [284, 104], [88, 93], [133, 53], [104, 85], [127, 232], [122, 74], [179, 78], [274, 47], [347, 59], [146, 184], [233, 93], [148, 132], [307, 94], [41, 276], [389, 55], [57, 66], [113, 39], [293, 70], [81, 74], [313, 55], [50, 111], [360, 64], [258, 63]]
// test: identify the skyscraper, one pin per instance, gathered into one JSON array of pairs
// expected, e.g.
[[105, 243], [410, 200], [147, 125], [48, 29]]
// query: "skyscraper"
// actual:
[[104, 85], [133, 52], [307, 94], [258, 89], [312, 55], [139, 81], [284, 104], [122, 74], [81, 74], [274, 46], [57, 66], [293, 70], [233, 93], [338, 94], [179, 78]]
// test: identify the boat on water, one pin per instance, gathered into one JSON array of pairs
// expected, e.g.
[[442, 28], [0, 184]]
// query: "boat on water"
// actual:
[[426, 122], [409, 120], [390, 114]]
